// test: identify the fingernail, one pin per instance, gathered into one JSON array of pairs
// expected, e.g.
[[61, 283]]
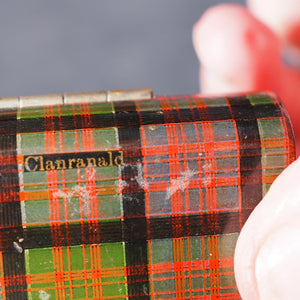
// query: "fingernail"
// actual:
[[277, 265]]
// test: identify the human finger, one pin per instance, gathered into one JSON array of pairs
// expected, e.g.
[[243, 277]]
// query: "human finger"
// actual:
[[235, 51], [238, 53], [283, 16], [267, 253]]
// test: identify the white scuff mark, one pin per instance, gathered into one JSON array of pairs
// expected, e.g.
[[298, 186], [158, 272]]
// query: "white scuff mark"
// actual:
[[18, 247], [43, 295], [83, 192], [122, 184], [145, 289], [207, 167], [91, 172], [180, 183], [85, 196], [61, 194], [140, 176], [207, 180], [152, 127]]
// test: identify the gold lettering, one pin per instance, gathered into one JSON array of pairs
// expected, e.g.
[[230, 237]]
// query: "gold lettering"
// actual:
[[26, 163], [49, 165], [60, 164], [41, 163], [102, 162], [71, 161], [91, 161], [110, 158], [119, 159], [33, 163], [80, 163]]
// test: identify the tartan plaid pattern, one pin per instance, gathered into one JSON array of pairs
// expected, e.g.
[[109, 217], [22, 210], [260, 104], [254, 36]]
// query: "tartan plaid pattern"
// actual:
[[160, 224]]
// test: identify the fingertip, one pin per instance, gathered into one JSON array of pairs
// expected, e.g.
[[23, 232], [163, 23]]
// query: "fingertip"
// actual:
[[236, 47], [215, 83], [213, 35]]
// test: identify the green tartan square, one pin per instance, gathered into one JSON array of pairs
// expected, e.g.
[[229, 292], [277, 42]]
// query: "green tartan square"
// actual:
[[36, 212], [105, 139], [68, 141], [30, 113], [226, 242], [66, 110], [73, 197], [102, 139], [33, 143], [180, 103], [34, 181], [146, 106], [100, 108], [273, 158], [109, 207], [226, 254], [162, 275], [276, 160], [212, 102], [266, 128], [88, 271], [259, 99], [39, 265]]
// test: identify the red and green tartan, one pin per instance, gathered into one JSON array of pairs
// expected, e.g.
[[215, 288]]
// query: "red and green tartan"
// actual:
[[160, 222]]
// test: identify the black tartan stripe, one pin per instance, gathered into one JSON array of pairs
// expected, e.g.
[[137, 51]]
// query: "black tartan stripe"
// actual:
[[245, 117], [133, 199], [10, 211], [214, 113], [110, 232]]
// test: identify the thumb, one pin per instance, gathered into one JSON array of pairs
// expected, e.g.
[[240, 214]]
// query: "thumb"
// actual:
[[267, 264]]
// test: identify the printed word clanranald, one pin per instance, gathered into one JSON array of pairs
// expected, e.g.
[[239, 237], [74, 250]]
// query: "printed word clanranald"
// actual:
[[63, 161]]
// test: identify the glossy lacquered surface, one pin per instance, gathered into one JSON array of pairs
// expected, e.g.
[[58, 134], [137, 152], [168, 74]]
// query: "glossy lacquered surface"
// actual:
[[137, 199]]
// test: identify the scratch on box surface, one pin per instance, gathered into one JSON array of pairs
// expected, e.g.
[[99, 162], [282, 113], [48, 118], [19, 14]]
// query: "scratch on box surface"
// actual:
[[180, 183], [82, 191], [140, 176], [18, 247], [43, 295]]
